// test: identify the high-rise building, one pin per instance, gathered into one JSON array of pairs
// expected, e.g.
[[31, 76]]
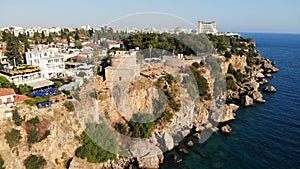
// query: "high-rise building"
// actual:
[[207, 27]]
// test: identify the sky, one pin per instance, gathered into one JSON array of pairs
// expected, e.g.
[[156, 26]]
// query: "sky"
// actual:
[[279, 16]]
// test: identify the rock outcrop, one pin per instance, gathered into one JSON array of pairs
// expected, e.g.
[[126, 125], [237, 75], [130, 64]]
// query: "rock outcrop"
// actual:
[[190, 143], [270, 89], [247, 101], [257, 97], [168, 141], [226, 129], [225, 114], [150, 161]]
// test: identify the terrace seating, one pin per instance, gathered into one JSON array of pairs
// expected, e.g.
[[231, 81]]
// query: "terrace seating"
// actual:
[[44, 104], [44, 92]]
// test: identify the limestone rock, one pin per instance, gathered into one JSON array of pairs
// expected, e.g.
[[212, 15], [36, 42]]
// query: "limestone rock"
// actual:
[[149, 162], [197, 135], [263, 81], [226, 114], [257, 97], [275, 70], [259, 75], [190, 143], [184, 151], [247, 101], [267, 65], [168, 141], [232, 97], [270, 89], [226, 129], [270, 76]]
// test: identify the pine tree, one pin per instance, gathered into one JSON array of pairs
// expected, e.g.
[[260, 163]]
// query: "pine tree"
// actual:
[[13, 50], [76, 36], [50, 38], [43, 35]]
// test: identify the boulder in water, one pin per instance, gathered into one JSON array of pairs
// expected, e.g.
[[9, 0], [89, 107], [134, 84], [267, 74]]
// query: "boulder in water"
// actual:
[[190, 143], [247, 101], [226, 129], [270, 89]]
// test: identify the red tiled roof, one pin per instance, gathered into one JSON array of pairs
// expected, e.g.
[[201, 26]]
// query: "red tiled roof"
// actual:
[[115, 43], [6, 91], [92, 45], [21, 98], [75, 58]]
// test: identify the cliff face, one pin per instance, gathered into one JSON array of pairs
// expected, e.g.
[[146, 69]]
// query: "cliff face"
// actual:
[[120, 102], [143, 93], [238, 62], [57, 148]]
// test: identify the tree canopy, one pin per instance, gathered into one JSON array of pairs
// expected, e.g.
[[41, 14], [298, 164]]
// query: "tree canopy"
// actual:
[[35, 162]]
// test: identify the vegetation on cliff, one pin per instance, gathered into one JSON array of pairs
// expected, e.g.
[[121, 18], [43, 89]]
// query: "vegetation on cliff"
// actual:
[[37, 130], [1, 163], [93, 139], [13, 138], [142, 125], [17, 118], [35, 162]]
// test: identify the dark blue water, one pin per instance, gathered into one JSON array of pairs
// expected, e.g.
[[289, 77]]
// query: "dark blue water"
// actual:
[[264, 136]]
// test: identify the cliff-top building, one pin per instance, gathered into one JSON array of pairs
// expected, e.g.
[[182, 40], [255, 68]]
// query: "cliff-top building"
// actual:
[[207, 27], [49, 60]]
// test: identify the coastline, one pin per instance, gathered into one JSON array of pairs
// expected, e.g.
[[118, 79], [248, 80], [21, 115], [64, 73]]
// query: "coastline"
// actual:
[[248, 94]]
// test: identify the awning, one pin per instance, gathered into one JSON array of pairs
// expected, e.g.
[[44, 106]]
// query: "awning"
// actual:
[[40, 84]]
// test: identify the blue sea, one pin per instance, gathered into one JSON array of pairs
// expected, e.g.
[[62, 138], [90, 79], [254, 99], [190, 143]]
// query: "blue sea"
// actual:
[[265, 135]]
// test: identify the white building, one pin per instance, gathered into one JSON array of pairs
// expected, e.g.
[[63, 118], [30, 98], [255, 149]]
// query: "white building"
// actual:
[[7, 96], [114, 44], [4, 60], [49, 60], [207, 27]]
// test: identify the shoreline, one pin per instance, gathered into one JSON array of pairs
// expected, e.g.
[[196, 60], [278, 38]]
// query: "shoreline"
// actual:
[[195, 135]]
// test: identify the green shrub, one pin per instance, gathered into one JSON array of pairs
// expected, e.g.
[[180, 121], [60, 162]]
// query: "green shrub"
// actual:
[[34, 121], [33, 136], [81, 74], [227, 55], [231, 69], [69, 105], [239, 76], [230, 83], [66, 92], [196, 65], [247, 69], [35, 162], [165, 117], [13, 138], [76, 96], [17, 118], [141, 130], [170, 78], [90, 149], [24, 89], [121, 127], [202, 83], [47, 133], [30, 102], [1, 163]]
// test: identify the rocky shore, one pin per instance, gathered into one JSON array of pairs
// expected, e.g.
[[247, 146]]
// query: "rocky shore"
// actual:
[[247, 93]]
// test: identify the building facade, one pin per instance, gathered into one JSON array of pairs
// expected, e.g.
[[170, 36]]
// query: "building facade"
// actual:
[[7, 96], [207, 27], [49, 60]]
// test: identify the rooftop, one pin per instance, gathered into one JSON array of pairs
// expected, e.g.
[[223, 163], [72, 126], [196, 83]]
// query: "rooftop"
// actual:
[[6, 91]]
